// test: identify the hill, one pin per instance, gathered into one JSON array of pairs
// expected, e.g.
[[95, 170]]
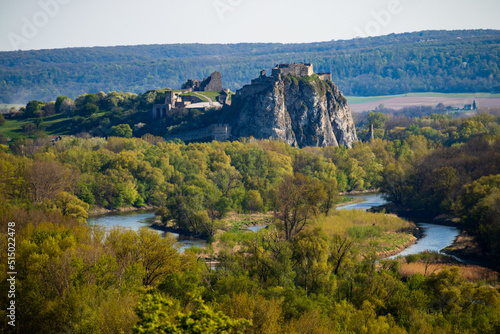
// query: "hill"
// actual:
[[428, 61]]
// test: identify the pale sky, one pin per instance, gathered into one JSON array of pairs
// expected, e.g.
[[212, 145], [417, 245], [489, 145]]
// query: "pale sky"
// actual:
[[47, 24]]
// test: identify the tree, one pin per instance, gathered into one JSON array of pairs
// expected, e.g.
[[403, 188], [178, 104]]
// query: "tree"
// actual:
[[122, 130], [378, 119], [2, 120], [47, 179], [59, 102], [67, 106], [310, 252], [49, 109], [297, 203], [153, 318], [158, 256], [29, 128], [339, 250], [33, 107], [89, 109], [253, 201], [331, 191]]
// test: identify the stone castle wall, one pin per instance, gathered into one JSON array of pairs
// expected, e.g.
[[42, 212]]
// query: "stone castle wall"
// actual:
[[325, 76], [219, 132], [213, 83], [297, 70]]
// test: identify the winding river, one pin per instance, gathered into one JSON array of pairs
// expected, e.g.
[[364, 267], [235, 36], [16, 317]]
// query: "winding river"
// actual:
[[138, 219], [434, 237]]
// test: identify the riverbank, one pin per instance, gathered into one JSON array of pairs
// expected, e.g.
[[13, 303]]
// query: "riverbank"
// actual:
[[359, 192], [158, 225], [467, 249], [463, 247], [102, 211], [386, 254]]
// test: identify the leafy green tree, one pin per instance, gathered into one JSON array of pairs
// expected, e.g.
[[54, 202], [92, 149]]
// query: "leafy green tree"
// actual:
[[29, 128], [2, 120], [478, 205], [122, 130], [253, 201], [310, 252], [33, 107], [378, 119], [88, 110], [298, 203], [153, 318]]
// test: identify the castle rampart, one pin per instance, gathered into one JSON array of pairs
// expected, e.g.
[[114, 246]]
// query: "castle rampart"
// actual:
[[297, 70]]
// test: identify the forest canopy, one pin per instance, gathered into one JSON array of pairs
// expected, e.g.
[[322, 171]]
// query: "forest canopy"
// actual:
[[465, 61]]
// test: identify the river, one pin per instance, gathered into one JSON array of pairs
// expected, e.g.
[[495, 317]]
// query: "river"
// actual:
[[434, 237], [138, 219]]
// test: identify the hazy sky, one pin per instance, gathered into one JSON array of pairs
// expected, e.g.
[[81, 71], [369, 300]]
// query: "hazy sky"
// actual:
[[45, 24]]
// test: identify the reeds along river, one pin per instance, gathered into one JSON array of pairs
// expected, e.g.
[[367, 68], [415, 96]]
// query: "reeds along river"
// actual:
[[434, 237]]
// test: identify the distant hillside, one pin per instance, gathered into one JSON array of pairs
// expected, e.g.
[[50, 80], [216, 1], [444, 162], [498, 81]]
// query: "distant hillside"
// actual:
[[429, 61]]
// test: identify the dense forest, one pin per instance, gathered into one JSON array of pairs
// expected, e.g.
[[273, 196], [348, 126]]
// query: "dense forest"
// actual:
[[313, 270], [428, 61]]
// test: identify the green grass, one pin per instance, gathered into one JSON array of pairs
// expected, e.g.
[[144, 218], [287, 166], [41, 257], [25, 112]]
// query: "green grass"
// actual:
[[368, 99], [198, 96], [341, 221], [371, 232], [11, 129], [54, 125], [211, 95]]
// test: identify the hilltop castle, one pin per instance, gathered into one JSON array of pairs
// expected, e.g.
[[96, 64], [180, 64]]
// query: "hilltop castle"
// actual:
[[278, 72]]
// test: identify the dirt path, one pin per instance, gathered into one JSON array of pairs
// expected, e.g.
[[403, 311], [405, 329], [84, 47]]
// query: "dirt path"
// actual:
[[208, 99]]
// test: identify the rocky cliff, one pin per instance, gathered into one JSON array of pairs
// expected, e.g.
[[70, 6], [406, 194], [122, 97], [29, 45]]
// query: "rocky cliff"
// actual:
[[303, 111]]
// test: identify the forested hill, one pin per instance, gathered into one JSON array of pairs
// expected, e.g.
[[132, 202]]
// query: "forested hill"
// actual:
[[428, 61]]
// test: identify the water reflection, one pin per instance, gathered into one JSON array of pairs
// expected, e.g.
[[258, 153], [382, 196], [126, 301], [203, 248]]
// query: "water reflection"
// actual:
[[435, 238], [256, 228], [367, 201], [138, 219]]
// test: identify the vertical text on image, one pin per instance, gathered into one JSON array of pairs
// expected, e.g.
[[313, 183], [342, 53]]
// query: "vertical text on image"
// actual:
[[11, 272]]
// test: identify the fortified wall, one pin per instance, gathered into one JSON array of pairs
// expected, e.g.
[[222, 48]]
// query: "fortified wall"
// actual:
[[172, 101], [263, 82], [296, 70], [213, 83], [219, 132]]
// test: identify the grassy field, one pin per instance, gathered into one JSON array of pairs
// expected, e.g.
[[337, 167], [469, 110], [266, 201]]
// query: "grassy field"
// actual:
[[58, 124], [377, 232], [211, 95], [367, 99]]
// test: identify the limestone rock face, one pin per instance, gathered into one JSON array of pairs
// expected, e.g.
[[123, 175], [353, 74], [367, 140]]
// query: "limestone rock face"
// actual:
[[302, 111]]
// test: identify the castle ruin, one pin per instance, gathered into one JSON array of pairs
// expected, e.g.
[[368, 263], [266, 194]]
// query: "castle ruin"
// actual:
[[296, 70], [213, 83], [280, 70], [172, 101]]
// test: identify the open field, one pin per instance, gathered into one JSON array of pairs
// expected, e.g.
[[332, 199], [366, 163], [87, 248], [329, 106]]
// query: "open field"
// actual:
[[362, 103], [383, 234], [57, 124]]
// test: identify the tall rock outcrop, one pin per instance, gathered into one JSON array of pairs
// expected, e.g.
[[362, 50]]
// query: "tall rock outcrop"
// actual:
[[306, 110]]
